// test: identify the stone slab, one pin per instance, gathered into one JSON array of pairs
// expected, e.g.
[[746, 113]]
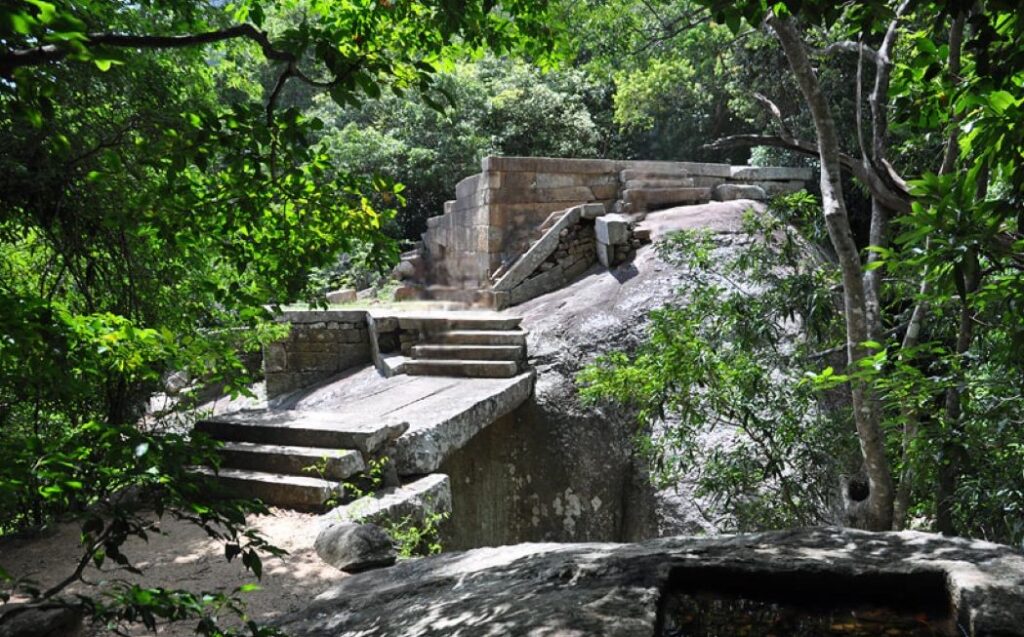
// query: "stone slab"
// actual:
[[612, 229], [605, 254], [450, 419], [662, 169], [414, 501], [334, 464], [304, 428], [730, 192], [547, 165], [772, 173], [302, 317]]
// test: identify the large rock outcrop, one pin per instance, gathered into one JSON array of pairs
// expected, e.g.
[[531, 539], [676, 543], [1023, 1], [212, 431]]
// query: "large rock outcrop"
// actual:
[[556, 470], [838, 578]]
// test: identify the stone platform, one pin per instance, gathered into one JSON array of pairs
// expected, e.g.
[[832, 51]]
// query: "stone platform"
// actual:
[[299, 453]]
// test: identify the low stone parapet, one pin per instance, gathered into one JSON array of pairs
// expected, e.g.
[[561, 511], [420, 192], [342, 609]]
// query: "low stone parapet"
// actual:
[[321, 344]]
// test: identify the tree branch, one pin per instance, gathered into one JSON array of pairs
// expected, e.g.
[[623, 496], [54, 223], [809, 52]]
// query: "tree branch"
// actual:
[[895, 200], [34, 56], [847, 46]]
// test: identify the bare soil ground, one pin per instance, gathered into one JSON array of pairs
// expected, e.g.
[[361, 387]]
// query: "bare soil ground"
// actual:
[[184, 557]]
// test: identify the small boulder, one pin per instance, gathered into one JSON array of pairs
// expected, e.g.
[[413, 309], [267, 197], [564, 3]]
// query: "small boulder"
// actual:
[[354, 547]]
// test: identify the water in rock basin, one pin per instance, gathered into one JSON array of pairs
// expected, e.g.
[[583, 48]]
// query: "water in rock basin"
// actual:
[[719, 601], [711, 616]]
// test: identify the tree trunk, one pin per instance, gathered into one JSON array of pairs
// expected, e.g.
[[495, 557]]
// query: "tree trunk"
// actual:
[[876, 507]]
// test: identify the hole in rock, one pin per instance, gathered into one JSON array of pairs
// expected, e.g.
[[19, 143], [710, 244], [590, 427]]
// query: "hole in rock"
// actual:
[[858, 490], [711, 601]]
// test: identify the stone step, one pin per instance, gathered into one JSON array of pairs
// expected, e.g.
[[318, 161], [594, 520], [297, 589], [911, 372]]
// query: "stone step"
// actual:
[[452, 321], [333, 464], [303, 429], [304, 493], [461, 368], [482, 337], [469, 352]]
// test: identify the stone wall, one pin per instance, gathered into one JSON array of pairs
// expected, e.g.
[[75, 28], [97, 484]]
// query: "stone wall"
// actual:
[[320, 345], [497, 213]]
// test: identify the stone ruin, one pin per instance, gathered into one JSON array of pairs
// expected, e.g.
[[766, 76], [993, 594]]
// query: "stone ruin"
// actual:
[[525, 226]]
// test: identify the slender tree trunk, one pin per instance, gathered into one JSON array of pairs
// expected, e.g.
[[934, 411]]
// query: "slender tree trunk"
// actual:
[[911, 418], [877, 507]]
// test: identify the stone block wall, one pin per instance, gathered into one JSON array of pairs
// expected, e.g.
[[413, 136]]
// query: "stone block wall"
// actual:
[[497, 213], [320, 345]]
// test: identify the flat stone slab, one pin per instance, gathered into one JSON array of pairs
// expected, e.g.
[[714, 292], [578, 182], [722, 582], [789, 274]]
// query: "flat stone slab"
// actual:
[[772, 173], [970, 587], [328, 429], [414, 501], [305, 493], [442, 413], [333, 464], [731, 192]]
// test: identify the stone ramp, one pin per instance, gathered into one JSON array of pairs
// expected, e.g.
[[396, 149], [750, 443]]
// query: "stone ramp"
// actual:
[[300, 454]]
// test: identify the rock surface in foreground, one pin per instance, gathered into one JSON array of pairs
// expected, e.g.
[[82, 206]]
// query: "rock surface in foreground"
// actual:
[[617, 589]]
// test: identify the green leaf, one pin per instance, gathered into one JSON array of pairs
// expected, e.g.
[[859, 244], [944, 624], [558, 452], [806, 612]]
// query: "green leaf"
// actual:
[[999, 101]]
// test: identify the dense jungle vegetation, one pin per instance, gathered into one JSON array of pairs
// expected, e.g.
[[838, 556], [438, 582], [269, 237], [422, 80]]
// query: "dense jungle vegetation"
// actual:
[[169, 169]]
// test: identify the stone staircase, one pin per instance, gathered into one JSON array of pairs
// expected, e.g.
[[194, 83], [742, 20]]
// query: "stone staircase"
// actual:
[[291, 459], [472, 348]]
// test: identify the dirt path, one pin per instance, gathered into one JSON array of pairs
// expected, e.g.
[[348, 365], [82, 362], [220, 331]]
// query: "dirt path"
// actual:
[[184, 557]]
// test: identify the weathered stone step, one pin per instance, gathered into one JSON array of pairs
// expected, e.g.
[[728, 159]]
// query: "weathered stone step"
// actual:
[[334, 464], [482, 337], [463, 368], [304, 493], [302, 428], [453, 321], [469, 352]]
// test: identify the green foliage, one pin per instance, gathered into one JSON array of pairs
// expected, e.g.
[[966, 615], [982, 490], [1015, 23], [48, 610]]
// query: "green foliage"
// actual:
[[159, 190], [417, 538], [413, 537], [724, 363], [499, 107]]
